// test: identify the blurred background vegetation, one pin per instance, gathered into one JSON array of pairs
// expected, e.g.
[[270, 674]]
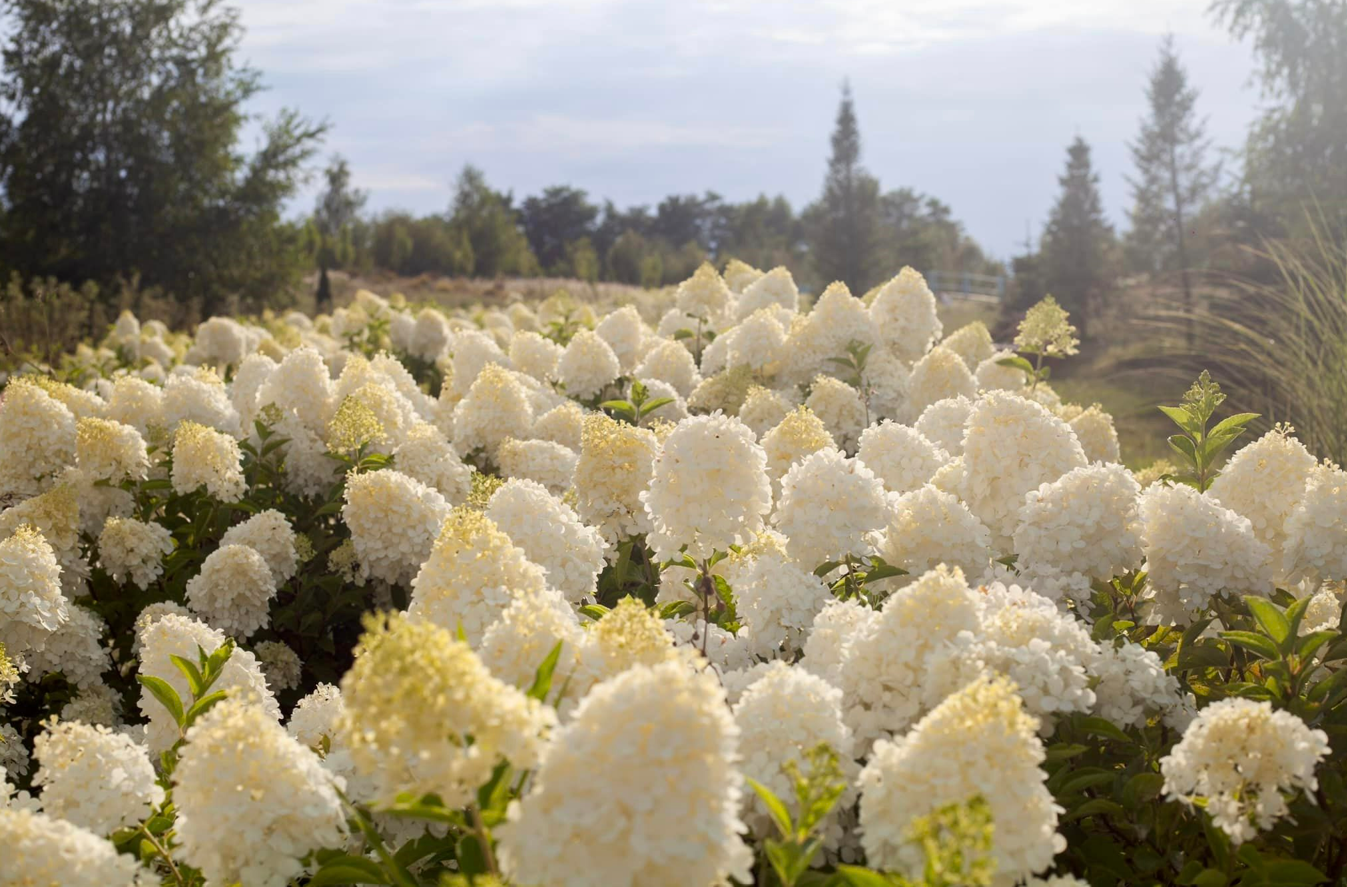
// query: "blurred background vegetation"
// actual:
[[124, 183]]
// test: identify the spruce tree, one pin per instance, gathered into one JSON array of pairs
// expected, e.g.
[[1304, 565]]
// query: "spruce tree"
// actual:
[[843, 225], [1172, 177], [1077, 240]]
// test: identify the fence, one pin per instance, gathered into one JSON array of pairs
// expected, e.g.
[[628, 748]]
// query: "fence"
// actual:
[[966, 283]]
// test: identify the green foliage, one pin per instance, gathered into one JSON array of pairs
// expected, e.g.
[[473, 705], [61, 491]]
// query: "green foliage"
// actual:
[[123, 158], [843, 225], [1078, 239], [638, 407], [1199, 447]]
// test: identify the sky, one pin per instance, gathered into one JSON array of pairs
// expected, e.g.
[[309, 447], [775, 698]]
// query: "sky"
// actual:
[[970, 101]]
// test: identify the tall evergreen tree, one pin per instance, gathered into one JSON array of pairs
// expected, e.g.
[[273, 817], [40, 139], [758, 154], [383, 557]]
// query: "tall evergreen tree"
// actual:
[[1172, 178], [843, 225], [1077, 240]]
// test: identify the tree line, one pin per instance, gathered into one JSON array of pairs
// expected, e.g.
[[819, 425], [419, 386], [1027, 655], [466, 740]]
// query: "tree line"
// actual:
[[1194, 214], [121, 160]]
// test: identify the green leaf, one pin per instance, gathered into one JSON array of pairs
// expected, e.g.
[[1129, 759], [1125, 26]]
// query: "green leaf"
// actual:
[[883, 571], [1210, 878], [1310, 643], [1184, 419], [675, 609], [201, 706], [167, 696], [594, 611], [621, 407], [780, 815], [1292, 873], [683, 333], [542, 678], [1063, 751], [471, 859], [862, 877], [1253, 642], [1184, 447], [650, 406], [1096, 807], [826, 567], [1086, 780], [1018, 363], [1102, 727], [1295, 614], [1235, 422], [189, 670], [348, 869], [1273, 621]]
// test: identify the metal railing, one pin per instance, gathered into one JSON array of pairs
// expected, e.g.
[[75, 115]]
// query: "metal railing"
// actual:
[[967, 283]]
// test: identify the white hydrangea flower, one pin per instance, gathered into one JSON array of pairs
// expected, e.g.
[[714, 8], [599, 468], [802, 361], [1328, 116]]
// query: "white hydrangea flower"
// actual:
[[1241, 757], [1087, 521], [1324, 612], [496, 407], [301, 386], [1316, 529], [755, 342], [280, 665], [133, 550], [471, 575], [542, 461], [775, 288], [203, 456], [1178, 522], [412, 699], [75, 649], [425, 454], [674, 412], [670, 362], [782, 715], [534, 355], [252, 374], [763, 409], [152, 613], [927, 527], [308, 470], [137, 403], [37, 437], [1011, 446], [704, 294], [900, 456], [315, 716], [840, 408], [251, 800], [887, 660], [174, 635], [979, 741], [625, 332], [94, 704], [1094, 428], [1024, 636], [1264, 482], [666, 717], [524, 635], [939, 375], [551, 536], [270, 535], [833, 628], [587, 366], [31, 603], [972, 342], [199, 397], [616, 461], [94, 778], [1133, 685], [943, 422], [563, 424], [233, 591], [904, 312], [990, 375], [108, 450], [829, 505], [778, 601], [709, 488], [394, 521], [43, 849]]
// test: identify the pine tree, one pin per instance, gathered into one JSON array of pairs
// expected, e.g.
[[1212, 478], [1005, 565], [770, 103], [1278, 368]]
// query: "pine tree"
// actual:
[[1077, 240], [1173, 178], [843, 225]]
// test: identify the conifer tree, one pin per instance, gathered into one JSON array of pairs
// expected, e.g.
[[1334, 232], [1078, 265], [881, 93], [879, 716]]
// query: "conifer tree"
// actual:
[[1077, 240]]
